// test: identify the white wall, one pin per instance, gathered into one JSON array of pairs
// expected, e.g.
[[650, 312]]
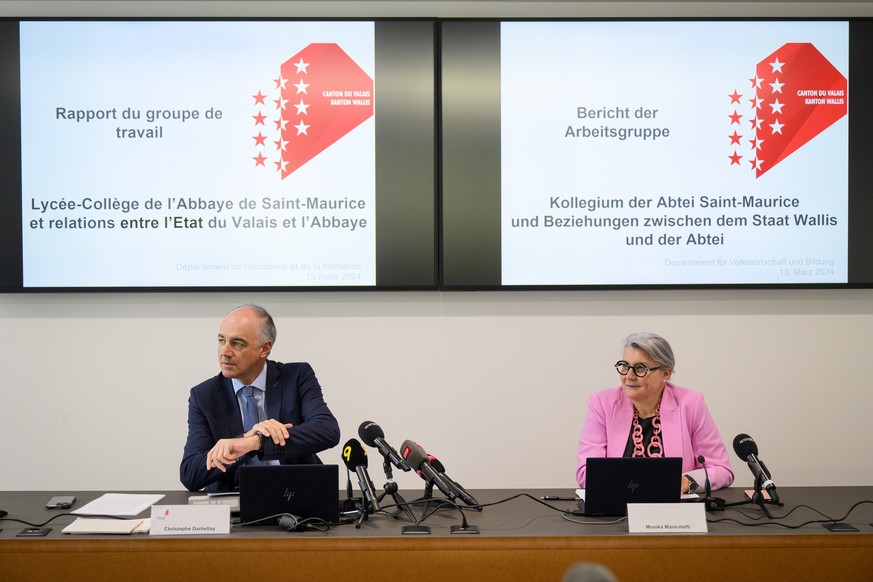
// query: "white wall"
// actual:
[[95, 390], [494, 384]]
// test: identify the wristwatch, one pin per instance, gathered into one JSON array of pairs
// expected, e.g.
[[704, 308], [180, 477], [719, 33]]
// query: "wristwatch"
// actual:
[[692, 484], [263, 438]]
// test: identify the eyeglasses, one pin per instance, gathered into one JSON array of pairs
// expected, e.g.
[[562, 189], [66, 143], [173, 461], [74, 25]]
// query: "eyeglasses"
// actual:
[[640, 370]]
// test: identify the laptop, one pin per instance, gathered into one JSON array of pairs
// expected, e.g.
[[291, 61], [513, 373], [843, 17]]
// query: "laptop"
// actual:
[[268, 491], [611, 483]]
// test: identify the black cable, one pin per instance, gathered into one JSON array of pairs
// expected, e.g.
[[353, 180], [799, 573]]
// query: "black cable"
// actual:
[[761, 516], [797, 526], [566, 514], [568, 517], [540, 501], [51, 519], [309, 523], [441, 503], [478, 507]]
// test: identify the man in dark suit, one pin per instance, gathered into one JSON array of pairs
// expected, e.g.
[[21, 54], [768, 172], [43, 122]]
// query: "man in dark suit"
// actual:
[[293, 422]]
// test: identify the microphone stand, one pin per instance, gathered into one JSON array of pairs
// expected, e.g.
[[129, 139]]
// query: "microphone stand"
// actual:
[[440, 502], [364, 514], [352, 504], [710, 503], [368, 505], [349, 504], [757, 499], [464, 528], [390, 488]]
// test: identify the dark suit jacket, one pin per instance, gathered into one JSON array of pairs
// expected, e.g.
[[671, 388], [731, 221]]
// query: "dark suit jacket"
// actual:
[[292, 395]]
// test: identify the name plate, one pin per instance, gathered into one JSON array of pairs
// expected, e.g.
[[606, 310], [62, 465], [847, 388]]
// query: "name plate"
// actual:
[[652, 518], [189, 520]]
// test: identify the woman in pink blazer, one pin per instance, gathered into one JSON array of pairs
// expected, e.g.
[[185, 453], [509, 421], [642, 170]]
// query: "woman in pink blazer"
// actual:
[[647, 415]]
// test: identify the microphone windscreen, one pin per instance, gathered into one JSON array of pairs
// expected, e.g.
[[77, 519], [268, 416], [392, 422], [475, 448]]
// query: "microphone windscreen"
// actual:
[[744, 445], [413, 454], [354, 454], [436, 464], [369, 431]]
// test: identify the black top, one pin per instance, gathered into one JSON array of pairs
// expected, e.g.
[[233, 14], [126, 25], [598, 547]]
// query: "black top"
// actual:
[[648, 432]]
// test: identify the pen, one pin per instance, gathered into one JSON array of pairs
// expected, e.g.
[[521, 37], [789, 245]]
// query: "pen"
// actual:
[[555, 498]]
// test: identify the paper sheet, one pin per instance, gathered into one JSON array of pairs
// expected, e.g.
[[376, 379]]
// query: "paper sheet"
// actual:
[[120, 504], [107, 526]]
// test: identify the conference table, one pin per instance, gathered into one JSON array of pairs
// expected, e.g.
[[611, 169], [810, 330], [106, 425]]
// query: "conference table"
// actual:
[[520, 538]]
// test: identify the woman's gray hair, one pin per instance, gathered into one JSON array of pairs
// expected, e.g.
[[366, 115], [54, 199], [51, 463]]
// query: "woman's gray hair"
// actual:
[[654, 346]]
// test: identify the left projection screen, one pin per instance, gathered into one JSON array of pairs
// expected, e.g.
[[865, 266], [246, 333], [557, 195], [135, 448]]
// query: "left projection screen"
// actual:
[[225, 154]]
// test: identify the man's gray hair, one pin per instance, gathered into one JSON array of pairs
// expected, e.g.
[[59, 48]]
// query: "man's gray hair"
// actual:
[[654, 346], [268, 327]]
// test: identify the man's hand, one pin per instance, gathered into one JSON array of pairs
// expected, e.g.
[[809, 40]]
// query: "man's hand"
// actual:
[[272, 429], [227, 451]]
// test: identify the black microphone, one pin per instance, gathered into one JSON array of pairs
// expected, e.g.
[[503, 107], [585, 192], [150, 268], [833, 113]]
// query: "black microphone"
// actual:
[[746, 449], [355, 458], [372, 435], [416, 457], [456, 487], [712, 503], [707, 487], [348, 504]]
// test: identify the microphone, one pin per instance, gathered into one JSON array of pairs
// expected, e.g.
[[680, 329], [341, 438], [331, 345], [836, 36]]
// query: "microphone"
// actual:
[[355, 458], [712, 503], [418, 460], [372, 435], [707, 487], [456, 487], [348, 504], [746, 449]]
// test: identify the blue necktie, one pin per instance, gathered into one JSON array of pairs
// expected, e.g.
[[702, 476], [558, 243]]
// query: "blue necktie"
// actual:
[[250, 408]]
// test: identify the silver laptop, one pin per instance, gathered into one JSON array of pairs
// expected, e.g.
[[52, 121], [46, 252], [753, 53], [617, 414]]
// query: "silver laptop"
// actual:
[[611, 483], [266, 492]]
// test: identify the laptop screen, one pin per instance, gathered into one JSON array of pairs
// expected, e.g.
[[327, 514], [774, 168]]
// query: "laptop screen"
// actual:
[[612, 483], [268, 491]]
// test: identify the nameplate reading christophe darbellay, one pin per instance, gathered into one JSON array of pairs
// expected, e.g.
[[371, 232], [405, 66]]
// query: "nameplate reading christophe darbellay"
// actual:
[[191, 520]]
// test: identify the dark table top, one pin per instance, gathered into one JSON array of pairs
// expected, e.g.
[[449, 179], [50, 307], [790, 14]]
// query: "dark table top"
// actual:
[[507, 512]]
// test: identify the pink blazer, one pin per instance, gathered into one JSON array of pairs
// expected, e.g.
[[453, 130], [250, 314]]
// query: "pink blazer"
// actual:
[[687, 431]]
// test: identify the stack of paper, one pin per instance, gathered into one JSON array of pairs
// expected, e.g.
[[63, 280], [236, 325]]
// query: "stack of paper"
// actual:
[[120, 504], [107, 526]]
